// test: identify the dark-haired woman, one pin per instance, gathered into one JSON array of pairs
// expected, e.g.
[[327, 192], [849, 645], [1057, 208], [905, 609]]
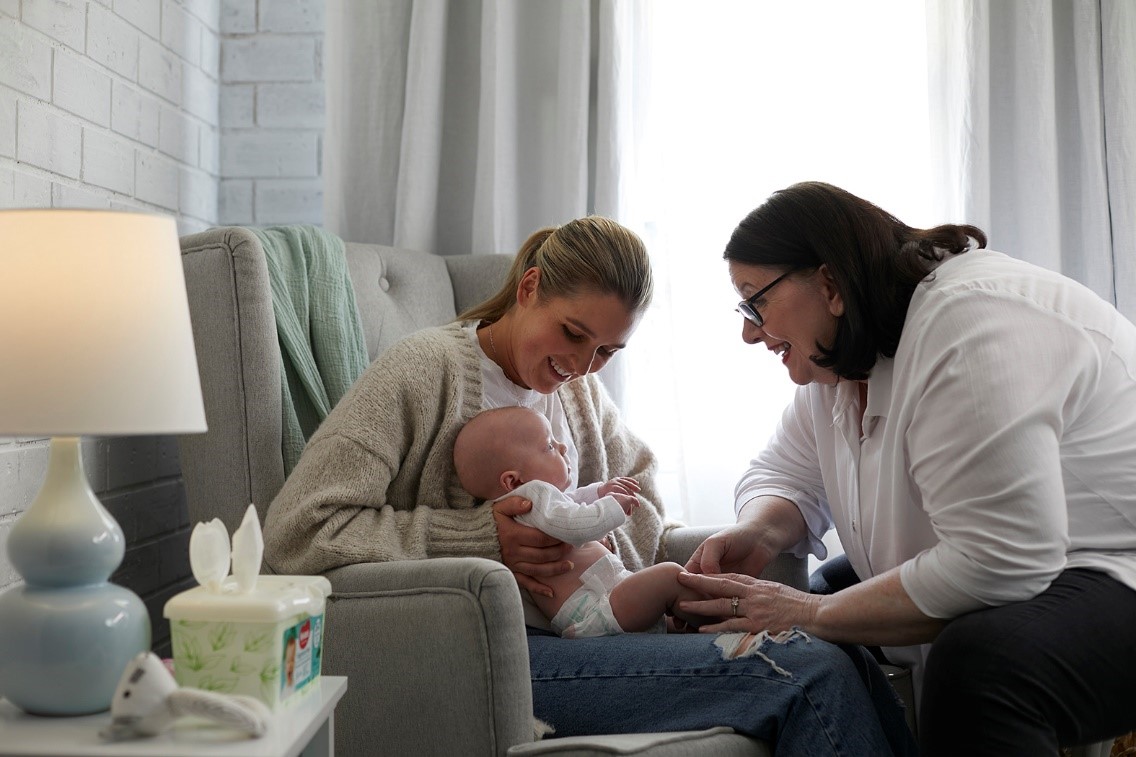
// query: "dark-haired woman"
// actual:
[[967, 422]]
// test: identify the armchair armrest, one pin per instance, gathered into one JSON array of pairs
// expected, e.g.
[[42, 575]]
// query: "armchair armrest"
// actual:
[[785, 568], [446, 636], [443, 636]]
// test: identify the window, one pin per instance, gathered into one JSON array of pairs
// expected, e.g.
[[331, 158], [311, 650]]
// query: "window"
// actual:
[[745, 98]]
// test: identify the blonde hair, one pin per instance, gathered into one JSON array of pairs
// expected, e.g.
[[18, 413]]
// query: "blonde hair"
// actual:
[[588, 255]]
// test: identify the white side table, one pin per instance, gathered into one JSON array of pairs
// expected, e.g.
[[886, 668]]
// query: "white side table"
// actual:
[[301, 729]]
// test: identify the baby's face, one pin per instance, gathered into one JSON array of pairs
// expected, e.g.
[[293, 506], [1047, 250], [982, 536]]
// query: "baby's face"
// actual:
[[544, 457]]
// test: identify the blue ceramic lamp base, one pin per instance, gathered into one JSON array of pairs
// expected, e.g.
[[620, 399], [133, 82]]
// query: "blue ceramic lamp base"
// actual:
[[67, 634], [65, 649]]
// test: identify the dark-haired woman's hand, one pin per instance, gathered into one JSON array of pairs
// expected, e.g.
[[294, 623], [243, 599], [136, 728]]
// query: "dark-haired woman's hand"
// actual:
[[736, 549], [745, 604], [529, 552], [767, 526]]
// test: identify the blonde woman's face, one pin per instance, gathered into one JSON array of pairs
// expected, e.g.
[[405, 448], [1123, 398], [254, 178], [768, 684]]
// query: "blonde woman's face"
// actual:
[[563, 338]]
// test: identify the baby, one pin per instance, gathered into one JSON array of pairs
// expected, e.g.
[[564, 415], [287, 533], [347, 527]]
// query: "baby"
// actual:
[[511, 450]]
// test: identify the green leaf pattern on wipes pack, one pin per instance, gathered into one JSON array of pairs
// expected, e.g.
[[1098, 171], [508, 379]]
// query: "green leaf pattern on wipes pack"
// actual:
[[220, 635], [238, 658], [258, 642], [220, 684], [191, 656]]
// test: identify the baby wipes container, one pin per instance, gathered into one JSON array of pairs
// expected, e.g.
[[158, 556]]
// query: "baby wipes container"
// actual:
[[265, 642]]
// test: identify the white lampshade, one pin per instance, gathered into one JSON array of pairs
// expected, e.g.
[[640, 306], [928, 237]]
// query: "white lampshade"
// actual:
[[94, 326], [95, 338]]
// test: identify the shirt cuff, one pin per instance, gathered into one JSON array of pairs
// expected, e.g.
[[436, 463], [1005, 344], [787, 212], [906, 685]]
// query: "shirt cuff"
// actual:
[[936, 596], [816, 523]]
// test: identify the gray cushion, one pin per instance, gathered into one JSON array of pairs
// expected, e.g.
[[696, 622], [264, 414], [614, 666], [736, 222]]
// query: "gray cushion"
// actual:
[[715, 742], [398, 292]]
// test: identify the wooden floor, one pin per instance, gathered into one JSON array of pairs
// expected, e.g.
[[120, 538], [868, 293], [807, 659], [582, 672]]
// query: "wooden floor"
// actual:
[[1125, 746]]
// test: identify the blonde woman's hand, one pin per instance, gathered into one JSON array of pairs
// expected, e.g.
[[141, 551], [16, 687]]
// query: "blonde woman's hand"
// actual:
[[528, 552]]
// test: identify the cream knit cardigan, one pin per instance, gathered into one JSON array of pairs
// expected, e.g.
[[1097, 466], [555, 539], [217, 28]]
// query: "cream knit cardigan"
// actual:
[[376, 481]]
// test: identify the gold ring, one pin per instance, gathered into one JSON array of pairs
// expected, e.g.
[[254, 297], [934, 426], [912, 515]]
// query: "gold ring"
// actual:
[[734, 606]]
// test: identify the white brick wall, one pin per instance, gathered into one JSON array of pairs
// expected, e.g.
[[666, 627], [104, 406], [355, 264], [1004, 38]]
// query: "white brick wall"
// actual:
[[47, 139], [62, 20], [112, 104], [145, 15], [290, 105], [25, 60], [82, 89], [269, 153], [108, 161], [271, 111], [156, 180], [209, 110], [107, 102], [236, 201], [7, 124], [112, 42], [133, 115]]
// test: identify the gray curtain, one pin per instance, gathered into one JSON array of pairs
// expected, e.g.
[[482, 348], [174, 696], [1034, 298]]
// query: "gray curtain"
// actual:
[[1033, 113], [461, 126]]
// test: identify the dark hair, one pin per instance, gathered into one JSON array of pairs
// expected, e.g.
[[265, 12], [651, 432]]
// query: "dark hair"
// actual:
[[875, 261]]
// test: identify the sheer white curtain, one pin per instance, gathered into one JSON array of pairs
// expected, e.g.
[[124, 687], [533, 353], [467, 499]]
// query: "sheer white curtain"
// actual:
[[745, 98], [459, 126], [1034, 107]]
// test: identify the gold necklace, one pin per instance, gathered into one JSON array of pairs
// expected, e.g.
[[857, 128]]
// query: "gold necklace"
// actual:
[[523, 397], [492, 345]]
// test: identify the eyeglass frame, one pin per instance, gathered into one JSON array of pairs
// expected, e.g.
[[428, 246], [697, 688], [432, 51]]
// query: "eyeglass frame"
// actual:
[[748, 307]]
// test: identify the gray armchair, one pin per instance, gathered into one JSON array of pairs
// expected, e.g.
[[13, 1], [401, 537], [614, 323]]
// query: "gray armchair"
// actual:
[[435, 650]]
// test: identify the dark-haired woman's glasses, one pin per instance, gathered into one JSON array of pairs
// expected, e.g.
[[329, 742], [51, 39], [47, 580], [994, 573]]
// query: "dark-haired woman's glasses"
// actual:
[[748, 306]]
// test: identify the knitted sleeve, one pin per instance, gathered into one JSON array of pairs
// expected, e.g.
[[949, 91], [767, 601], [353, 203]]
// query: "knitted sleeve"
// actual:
[[376, 481]]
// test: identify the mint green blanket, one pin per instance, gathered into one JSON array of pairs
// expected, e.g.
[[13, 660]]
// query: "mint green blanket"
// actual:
[[321, 339]]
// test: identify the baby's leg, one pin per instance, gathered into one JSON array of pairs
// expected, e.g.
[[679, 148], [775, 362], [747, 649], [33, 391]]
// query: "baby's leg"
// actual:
[[639, 600]]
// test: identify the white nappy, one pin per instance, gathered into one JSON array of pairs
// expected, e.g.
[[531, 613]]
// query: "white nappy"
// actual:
[[588, 611]]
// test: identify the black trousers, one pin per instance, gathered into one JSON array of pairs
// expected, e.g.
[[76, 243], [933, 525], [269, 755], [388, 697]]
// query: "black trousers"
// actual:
[[1025, 678]]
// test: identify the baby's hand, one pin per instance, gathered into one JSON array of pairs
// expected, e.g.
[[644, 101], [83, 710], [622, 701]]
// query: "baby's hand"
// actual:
[[627, 501], [620, 485]]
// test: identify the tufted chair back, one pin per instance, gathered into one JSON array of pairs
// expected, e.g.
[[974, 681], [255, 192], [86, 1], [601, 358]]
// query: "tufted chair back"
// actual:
[[238, 460]]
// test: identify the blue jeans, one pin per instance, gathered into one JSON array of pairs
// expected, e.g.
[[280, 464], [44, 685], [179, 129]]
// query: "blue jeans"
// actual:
[[804, 696]]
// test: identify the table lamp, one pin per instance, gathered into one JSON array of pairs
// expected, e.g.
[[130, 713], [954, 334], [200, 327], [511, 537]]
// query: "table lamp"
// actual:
[[94, 339]]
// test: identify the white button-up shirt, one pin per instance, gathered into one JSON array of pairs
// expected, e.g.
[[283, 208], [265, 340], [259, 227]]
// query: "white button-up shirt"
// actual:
[[998, 446]]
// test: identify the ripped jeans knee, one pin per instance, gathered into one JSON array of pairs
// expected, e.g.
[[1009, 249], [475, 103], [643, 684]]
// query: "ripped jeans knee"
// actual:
[[734, 646]]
